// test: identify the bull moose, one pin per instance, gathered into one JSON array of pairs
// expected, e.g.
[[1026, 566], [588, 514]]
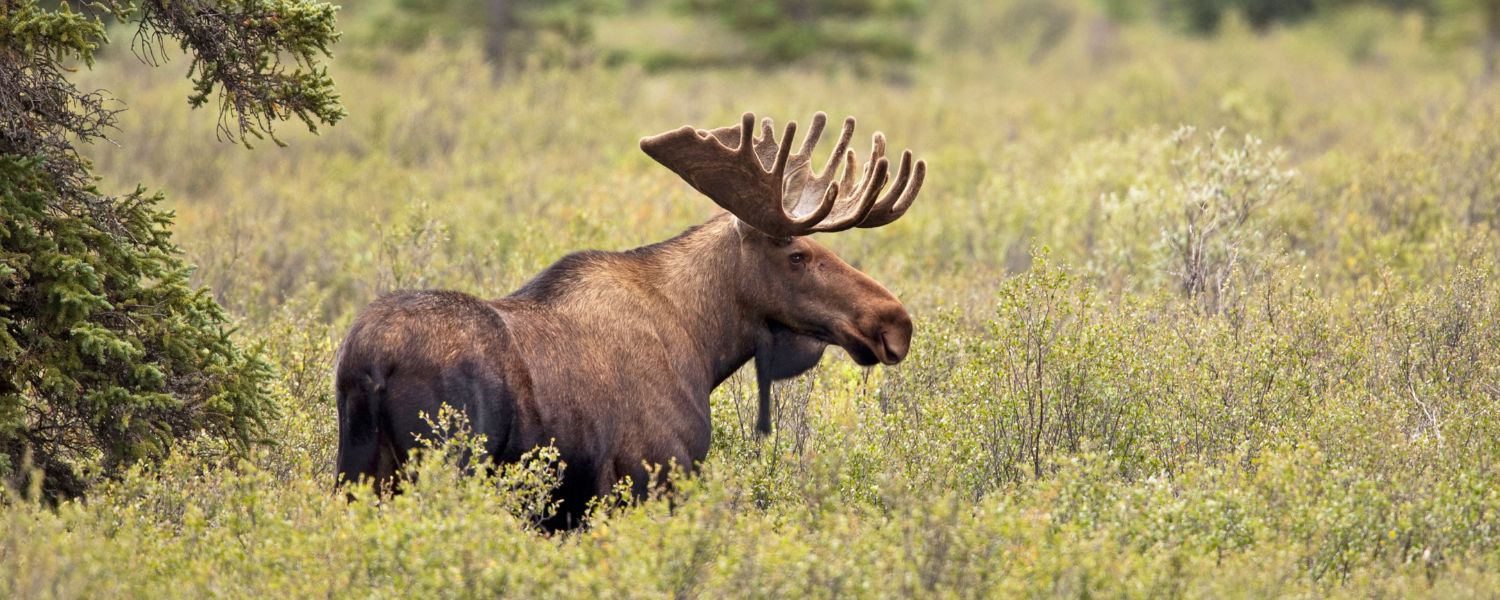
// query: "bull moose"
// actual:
[[611, 356]]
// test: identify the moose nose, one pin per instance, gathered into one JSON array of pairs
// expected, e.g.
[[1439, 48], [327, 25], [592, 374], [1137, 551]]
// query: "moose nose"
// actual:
[[895, 336]]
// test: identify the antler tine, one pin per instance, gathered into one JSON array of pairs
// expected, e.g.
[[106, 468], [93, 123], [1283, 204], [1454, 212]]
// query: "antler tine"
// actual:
[[863, 201], [877, 154], [857, 202], [747, 133], [814, 135], [805, 224], [903, 174], [766, 147], [784, 151], [908, 196], [851, 159], [851, 166], [804, 191], [846, 135]]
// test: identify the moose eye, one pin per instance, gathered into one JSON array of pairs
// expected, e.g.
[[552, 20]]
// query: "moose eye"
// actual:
[[797, 258]]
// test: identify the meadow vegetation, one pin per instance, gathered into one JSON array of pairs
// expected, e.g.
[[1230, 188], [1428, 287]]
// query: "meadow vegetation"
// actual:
[[1194, 317]]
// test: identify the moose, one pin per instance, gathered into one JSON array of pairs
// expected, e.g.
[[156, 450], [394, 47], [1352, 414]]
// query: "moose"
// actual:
[[611, 356]]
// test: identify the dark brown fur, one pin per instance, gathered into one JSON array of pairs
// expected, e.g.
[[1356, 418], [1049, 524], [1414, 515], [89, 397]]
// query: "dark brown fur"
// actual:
[[610, 356]]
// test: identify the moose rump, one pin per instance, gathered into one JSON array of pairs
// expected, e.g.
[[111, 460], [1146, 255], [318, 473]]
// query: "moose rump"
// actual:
[[408, 354]]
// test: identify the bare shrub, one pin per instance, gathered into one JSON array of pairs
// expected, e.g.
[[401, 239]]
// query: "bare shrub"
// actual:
[[1219, 192]]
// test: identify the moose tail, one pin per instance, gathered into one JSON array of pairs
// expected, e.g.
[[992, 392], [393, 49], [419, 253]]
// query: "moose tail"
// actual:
[[364, 451]]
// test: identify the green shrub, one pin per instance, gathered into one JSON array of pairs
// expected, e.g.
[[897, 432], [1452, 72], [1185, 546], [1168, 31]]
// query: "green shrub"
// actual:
[[108, 352]]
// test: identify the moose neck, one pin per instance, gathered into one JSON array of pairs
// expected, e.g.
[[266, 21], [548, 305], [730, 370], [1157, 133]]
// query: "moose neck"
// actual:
[[697, 276], [680, 292]]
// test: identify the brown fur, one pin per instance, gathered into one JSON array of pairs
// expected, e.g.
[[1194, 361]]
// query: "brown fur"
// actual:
[[611, 356]]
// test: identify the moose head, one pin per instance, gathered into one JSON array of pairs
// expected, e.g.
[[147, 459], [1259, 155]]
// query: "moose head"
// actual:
[[807, 294]]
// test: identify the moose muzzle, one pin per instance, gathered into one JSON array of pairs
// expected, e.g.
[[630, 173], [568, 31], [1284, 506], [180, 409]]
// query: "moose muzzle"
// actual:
[[882, 335]]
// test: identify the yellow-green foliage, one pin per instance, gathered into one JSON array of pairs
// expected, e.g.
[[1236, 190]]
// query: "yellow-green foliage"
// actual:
[[1321, 418]]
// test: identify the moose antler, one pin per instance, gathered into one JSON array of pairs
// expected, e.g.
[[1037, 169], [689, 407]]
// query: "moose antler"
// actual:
[[760, 182]]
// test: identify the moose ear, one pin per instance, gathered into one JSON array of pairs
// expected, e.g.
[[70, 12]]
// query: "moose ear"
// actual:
[[745, 230]]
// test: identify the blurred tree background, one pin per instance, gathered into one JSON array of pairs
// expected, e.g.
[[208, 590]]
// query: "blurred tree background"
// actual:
[[786, 31], [862, 34], [513, 32]]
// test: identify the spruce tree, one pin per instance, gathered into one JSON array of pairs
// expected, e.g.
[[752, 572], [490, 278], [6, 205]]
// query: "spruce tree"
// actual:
[[108, 353]]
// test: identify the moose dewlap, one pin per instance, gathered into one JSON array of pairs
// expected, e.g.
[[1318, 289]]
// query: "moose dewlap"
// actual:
[[611, 356]]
